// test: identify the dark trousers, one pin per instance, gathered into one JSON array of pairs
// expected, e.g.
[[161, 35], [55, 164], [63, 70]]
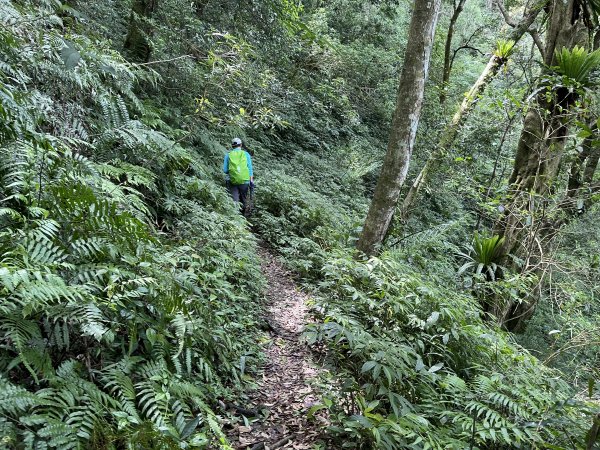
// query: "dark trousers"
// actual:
[[239, 192]]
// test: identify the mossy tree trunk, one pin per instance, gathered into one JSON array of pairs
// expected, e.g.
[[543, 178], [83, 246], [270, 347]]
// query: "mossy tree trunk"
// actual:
[[537, 160], [136, 42], [580, 186], [404, 125], [451, 130]]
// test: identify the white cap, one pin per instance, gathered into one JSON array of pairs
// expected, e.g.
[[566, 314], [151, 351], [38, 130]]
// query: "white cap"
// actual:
[[236, 142]]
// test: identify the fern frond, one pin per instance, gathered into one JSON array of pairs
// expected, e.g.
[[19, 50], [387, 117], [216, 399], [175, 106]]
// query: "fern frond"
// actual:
[[15, 400]]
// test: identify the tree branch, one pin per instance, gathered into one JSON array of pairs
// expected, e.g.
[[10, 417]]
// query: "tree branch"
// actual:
[[465, 44], [538, 42], [509, 21], [470, 47]]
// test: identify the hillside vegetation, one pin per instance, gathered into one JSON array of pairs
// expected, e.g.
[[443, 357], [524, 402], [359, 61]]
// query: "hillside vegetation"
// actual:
[[131, 295]]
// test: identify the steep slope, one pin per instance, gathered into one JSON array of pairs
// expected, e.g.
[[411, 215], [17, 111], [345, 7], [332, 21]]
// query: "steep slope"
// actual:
[[130, 290], [123, 319]]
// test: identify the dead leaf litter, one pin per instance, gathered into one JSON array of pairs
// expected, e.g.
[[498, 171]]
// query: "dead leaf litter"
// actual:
[[284, 394]]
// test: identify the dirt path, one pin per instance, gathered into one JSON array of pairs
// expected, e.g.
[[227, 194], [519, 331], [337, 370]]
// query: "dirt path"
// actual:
[[284, 394]]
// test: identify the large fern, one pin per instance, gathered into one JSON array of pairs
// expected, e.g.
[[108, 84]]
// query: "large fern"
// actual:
[[111, 332]]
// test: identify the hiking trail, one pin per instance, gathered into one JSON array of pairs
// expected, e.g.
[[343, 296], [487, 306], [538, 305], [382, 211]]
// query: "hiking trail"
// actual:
[[284, 394]]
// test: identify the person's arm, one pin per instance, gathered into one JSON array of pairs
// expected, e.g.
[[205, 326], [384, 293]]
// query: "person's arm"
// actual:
[[250, 171], [226, 168], [226, 164]]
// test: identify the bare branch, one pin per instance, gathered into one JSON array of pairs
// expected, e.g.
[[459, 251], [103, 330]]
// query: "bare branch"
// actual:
[[538, 42], [463, 47], [509, 21], [469, 47]]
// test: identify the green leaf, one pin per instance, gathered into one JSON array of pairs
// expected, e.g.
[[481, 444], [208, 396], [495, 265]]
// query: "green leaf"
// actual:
[[314, 409], [584, 134], [368, 366], [419, 364], [108, 69], [70, 55], [363, 421], [151, 335], [190, 426], [433, 318], [435, 368]]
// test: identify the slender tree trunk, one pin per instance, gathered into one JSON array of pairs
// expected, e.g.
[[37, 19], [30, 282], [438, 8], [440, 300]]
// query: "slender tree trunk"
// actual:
[[451, 130], [537, 160], [448, 48], [136, 42], [404, 125]]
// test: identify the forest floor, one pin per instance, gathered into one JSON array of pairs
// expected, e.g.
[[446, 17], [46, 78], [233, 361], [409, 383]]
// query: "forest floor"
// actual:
[[284, 394]]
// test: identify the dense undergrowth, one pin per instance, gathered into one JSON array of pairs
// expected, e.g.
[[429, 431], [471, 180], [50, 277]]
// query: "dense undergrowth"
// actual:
[[129, 287], [416, 363], [419, 368]]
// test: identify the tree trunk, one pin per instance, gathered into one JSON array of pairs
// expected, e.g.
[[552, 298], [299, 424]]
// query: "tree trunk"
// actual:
[[136, 41], [448, 47], [404, 125], [584, 167], [537, 160], [451, 130]]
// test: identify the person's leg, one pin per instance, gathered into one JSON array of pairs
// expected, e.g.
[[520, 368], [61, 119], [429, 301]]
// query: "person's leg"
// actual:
[[235, 192], [243, 194]]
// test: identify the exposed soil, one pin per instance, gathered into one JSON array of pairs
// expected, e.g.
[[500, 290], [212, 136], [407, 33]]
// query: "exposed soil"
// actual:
[[284, 394]]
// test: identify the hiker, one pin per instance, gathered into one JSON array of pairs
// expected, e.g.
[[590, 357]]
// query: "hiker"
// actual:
[[239, 176]]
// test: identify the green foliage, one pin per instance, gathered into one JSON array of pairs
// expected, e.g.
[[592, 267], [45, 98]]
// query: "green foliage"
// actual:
[[484, 256], [504, 48], [417, 367], [295, 220], [128, 287], [564, 332], [577, 63]]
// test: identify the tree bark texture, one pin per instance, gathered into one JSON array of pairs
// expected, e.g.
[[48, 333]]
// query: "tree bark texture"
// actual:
[[451, 130], [537, 161], [136, 41], [404, 125], [448, 48], [581, 176]]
